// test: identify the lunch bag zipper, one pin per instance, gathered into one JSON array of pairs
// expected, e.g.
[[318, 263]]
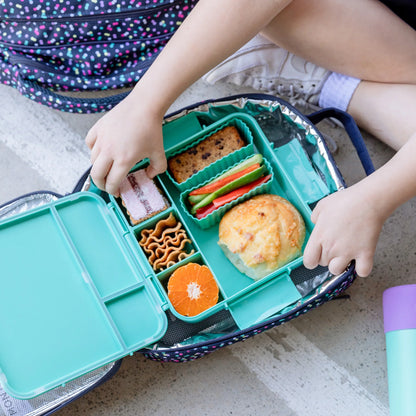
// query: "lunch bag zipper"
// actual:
[[25, 48], [46, 68], [104, 16]]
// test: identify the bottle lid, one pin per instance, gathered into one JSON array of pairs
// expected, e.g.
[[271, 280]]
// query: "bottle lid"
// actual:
[[399, 308]]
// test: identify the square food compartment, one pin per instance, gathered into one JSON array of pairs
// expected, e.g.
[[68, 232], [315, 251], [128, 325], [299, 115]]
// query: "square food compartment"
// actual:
[[190, 292], [141, 198], [165, 241], [242, 122]]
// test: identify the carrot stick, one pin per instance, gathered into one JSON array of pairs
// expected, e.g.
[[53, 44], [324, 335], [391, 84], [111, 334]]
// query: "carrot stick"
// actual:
[[225, 199], [212, 187]]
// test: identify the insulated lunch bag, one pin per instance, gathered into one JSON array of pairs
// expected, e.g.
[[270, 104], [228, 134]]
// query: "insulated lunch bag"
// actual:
[[304, 171]]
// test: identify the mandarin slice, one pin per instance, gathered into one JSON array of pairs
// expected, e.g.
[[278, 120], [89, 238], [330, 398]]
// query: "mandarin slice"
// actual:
[[192, 289]]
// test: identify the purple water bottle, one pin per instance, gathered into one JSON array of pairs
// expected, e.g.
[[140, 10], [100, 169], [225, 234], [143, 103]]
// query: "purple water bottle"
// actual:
[[399, 306]]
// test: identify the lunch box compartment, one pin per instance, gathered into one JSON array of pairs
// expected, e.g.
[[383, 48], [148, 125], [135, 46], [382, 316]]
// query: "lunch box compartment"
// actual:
[[216, 216], [90, 232], [161, 188], [134, 305], [164, 276], [243, 124], [189, 248]]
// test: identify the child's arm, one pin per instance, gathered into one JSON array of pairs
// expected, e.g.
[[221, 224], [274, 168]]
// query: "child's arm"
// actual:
[[348, 223], [132, 130]]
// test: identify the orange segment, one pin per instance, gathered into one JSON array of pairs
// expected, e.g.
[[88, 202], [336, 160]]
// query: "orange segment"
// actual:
[[192, 289]]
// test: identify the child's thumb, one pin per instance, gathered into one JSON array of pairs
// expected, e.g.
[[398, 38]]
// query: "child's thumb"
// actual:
[[157, 165]]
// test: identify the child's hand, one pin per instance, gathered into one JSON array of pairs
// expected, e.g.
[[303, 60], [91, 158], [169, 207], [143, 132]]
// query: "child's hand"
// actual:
[[129, 133], [347, 227]]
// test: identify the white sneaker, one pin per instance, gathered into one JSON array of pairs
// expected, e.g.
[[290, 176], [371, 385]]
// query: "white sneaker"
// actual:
[[264, 66]]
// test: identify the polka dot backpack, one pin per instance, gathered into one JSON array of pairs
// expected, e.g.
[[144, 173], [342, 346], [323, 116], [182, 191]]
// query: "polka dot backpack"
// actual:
[[53, 47]]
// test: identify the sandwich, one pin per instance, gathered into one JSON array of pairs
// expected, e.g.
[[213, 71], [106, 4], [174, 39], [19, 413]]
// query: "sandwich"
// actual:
[[262, 234]]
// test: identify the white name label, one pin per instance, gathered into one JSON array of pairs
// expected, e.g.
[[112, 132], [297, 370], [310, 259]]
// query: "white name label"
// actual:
[[12, 406]]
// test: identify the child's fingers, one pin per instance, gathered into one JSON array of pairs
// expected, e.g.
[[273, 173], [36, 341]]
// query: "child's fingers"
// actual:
[[337, 265], [312, 253], [91, 137], [114, 178], [100, 170], [158, 164], [95, 151], [364, 265], [315, 213]]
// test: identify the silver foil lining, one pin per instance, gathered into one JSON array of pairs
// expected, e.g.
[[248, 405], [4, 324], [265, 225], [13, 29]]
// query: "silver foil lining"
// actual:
[[50, 400], [26, 203]]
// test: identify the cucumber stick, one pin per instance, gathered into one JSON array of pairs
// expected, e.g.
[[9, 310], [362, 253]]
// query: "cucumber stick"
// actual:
[[257, 158], [244, 180], [194, 199]]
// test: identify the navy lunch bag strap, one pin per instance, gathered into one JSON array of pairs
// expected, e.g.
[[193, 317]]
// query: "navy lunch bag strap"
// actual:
[[352, 130]]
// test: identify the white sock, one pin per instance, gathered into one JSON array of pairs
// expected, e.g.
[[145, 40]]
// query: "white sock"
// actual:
[[337, 91]]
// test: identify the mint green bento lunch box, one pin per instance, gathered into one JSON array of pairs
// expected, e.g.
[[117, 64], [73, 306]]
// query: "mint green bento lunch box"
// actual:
[[76, 282]]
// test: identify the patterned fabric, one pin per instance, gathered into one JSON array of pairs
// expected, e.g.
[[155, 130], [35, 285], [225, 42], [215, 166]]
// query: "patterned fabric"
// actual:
[[82, 45], [190, 353]]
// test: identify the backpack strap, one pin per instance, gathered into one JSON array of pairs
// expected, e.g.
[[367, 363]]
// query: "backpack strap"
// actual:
[[352, 130], [71, 104]]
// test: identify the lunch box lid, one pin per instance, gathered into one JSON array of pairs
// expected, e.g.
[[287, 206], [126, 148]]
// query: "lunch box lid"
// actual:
[[76, 294]]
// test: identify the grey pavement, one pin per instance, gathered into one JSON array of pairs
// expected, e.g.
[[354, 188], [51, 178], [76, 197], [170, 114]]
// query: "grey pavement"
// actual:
[[330, 361]]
